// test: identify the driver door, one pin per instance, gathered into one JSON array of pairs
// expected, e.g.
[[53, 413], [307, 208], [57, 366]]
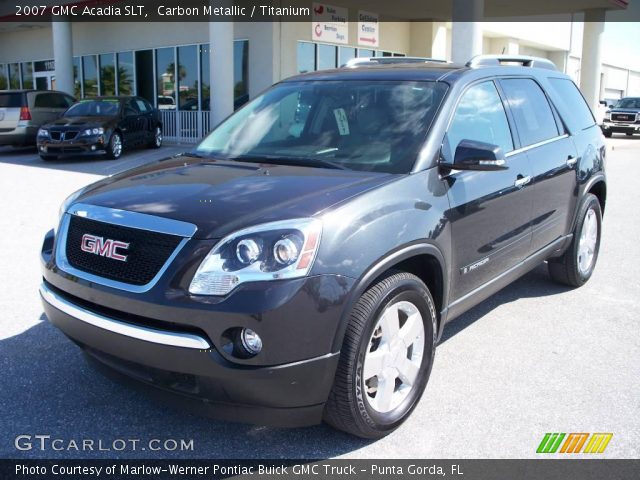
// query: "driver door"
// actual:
[[130, 124], [490, 211]]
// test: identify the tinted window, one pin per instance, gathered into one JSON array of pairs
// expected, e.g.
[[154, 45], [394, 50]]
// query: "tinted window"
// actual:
[[531, 110], [628, 103], [94, 108], [142, 105], [360, 125], [570, 97], [480, 116], [51, 100], [10, 100]]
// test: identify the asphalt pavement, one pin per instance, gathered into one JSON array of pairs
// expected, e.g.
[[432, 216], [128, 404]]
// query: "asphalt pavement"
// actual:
[[534, 358]]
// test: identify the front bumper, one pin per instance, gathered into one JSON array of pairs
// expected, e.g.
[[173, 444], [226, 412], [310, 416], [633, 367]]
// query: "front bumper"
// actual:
[[614, 127], [82, 145], [168, 340]]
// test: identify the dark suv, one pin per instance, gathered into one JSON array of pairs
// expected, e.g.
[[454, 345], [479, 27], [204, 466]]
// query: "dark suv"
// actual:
[[300, 264], [623, 117]]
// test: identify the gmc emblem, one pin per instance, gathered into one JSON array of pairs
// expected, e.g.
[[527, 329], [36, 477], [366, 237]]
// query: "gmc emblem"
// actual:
[[105, 247]]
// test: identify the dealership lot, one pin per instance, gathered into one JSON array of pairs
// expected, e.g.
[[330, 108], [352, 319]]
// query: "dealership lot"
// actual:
[[534, 358]]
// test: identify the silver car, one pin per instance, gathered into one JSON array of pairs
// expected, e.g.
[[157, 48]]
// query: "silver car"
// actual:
[[22, 112]]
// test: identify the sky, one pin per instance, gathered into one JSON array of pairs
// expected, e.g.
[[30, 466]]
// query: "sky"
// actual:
[[621, 40]]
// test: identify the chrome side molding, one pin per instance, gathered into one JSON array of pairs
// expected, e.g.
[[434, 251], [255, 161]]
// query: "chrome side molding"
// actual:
[[173, 339]]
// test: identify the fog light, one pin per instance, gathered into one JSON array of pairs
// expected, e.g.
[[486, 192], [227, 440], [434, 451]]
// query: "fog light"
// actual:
[[93, 147], [251, 341]]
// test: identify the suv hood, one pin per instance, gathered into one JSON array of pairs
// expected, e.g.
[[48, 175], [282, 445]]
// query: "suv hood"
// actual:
[[220, 197]]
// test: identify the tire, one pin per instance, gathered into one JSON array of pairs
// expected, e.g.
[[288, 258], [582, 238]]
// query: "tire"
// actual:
[[156, 141], [114, 149], [354, 404], [48, 158], [629, 134], [576, 265], [608, 134]]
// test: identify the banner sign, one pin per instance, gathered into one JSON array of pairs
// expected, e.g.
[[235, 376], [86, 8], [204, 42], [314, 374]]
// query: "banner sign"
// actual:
[[368, 29], [329, 23]]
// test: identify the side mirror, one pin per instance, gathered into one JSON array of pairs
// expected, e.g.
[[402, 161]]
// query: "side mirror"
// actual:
[[479, 156], [603, 102]]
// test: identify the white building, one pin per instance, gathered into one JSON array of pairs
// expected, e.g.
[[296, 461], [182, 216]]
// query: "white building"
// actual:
[[173, 65]]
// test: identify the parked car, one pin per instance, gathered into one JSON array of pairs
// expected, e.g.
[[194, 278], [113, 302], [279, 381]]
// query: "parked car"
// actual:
[[623, 117], [22, 112], [301, 263], [105, 125]]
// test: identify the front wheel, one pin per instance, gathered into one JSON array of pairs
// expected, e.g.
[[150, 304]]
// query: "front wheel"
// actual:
[[576, 266], [156, 141], [386, 357], [114, 149]]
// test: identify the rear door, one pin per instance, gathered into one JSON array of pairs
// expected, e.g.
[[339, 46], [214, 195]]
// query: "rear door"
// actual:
[[490, 212], [10, 105], [552, 156]]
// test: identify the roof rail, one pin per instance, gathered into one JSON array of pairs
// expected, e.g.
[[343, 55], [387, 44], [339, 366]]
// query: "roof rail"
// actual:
[[524, 60], [360, 61]]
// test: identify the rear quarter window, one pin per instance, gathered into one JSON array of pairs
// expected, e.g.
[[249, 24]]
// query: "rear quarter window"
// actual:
[[51, 100], [568, 95], [11, 100]]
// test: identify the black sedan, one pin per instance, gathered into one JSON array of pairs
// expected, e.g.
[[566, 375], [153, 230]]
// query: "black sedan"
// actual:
[[101, 125]]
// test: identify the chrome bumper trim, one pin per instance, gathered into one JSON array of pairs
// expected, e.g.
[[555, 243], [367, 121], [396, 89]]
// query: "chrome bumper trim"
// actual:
[[173, 339]]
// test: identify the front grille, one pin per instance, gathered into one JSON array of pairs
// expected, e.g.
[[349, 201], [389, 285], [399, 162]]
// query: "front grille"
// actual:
[[623, 117], [66, 135], [146, 254]]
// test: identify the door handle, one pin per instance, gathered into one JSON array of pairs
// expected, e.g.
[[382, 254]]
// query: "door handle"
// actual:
[[571, 161], [522, 181]]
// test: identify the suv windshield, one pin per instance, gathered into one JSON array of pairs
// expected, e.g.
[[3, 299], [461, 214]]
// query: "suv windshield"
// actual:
[[628, 103], [94, 108], [359, 125]]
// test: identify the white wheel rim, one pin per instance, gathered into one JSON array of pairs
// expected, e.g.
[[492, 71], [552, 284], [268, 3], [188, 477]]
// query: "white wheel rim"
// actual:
[[158, 137], [117, 146], [588, 241], [394, 356]]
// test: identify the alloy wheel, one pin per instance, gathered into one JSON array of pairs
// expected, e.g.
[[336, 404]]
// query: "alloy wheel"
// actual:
[[394, 356]]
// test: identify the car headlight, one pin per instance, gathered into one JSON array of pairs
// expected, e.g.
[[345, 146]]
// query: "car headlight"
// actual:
[[43, 132], [271, 251], [607, 116], [92, 131]]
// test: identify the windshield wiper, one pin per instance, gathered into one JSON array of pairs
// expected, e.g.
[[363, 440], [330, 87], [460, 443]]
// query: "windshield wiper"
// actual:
[[303, 162]]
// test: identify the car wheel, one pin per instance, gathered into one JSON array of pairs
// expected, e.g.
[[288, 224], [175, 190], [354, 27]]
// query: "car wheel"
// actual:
[[386, 357], [156, 141], [576, 266], [607, 134], [629, 134], [114, 149], [46, 158]]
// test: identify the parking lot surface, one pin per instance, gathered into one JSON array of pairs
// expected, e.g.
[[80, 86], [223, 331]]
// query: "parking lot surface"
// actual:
[[534, 358]]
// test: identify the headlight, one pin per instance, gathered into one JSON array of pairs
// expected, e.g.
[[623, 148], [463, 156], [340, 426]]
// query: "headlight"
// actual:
[[92, 131], [43, 132], [271, 251], [607, 116]]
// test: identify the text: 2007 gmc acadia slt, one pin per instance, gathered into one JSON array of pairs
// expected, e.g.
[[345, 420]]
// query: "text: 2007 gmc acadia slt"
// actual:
[[300, 264]]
